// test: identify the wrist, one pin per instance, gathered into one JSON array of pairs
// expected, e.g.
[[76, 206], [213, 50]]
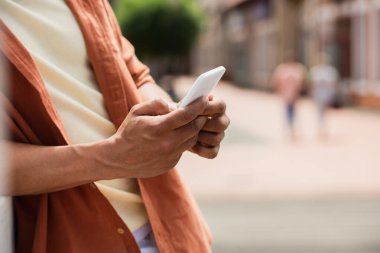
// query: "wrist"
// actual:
[[98, 159]]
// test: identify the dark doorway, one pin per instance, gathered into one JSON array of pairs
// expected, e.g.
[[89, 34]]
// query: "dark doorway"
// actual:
[[343, 37]]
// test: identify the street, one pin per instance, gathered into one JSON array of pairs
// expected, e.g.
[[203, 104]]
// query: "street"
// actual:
[[267, 193]]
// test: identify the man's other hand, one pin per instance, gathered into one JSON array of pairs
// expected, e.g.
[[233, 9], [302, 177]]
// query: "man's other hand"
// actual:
[[212, 133]]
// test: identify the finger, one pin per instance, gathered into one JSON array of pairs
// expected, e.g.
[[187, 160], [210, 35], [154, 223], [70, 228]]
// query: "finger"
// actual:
[[206, 152], [190, 130], [215, 107], [217, 125], [188, 144], [210, 139], [151, 108], [183, 116]]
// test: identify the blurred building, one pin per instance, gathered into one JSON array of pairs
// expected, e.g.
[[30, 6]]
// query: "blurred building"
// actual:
[[251, 37], [349, 31], [248, 37]]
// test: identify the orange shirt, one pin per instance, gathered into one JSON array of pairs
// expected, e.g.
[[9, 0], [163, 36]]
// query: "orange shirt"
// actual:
[[80, 219]]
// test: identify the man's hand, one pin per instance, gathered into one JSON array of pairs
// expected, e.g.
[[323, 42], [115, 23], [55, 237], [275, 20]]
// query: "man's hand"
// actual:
[[153, 137], [212, 133]]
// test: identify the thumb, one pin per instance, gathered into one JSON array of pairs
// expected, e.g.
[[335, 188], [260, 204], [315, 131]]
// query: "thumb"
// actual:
[[152, 108]]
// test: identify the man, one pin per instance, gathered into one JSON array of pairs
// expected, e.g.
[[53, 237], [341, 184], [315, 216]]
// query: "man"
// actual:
[[288, 79], [76, 115], [324, 79]]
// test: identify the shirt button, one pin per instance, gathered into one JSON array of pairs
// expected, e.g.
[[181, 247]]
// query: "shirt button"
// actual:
[[120, 231]]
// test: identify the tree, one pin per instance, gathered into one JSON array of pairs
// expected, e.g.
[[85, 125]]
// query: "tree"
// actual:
[[159, 28]]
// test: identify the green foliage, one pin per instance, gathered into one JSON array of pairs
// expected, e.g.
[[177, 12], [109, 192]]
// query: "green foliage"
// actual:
[[159, 27]]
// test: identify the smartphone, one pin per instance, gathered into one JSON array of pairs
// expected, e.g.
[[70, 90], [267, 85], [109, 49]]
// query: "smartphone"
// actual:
[[203, 85]]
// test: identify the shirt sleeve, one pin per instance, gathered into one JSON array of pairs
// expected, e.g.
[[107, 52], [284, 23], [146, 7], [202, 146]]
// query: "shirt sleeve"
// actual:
[[139, 71]]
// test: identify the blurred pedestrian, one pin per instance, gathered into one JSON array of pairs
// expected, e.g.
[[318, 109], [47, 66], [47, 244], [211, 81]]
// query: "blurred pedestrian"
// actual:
[[288, 79], [324, 78]]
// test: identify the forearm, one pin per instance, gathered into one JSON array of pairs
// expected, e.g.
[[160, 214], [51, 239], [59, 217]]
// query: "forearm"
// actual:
[[38, 169], [150, 91]]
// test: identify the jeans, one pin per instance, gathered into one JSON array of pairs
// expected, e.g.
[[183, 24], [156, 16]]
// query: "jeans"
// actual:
[[145, 239]]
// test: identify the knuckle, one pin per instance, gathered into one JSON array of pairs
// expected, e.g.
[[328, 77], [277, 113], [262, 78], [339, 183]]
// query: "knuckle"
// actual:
[[160, 102], [220, 125], [222, 106], [221, 136], [226, 121], [218, 139], [134, 109]]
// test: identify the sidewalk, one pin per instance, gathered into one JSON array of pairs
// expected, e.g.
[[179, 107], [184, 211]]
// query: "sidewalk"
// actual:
[[266, 194], [257, 160]]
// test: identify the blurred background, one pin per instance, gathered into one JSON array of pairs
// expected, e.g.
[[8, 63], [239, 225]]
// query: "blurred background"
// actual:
[[299, 171]]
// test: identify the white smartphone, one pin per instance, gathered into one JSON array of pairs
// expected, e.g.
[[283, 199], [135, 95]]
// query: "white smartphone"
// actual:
[[203, 85]]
